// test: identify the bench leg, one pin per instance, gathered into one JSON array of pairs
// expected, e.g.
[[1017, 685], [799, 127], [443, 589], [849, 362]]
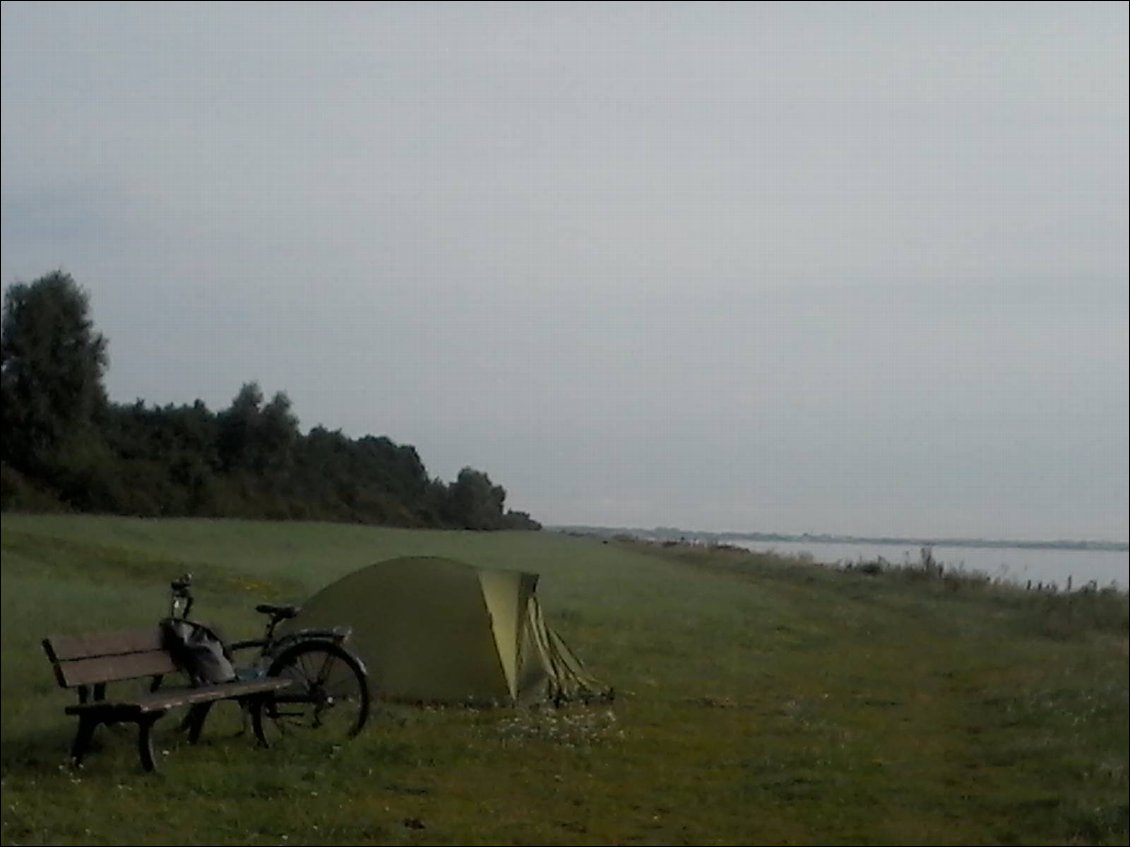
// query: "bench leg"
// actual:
[[262, 701], [86, 725], [194, 721], [145, 740], [186, 722], [245, 714]]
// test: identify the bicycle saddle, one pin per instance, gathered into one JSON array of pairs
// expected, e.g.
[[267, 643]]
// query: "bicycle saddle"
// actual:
[[281, 612]]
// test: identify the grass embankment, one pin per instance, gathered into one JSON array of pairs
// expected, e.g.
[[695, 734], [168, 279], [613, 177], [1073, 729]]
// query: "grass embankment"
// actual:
[[759, 700]]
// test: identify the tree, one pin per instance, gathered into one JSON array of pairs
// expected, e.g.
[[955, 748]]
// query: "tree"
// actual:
[[278, 433], [475, 502], [51, 362], [520, 520], [254, 437]]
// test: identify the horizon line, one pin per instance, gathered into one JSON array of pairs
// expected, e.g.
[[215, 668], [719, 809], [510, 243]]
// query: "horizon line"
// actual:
[[843, 537]]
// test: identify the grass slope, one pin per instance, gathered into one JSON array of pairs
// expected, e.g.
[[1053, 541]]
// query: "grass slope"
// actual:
[[759, 700]]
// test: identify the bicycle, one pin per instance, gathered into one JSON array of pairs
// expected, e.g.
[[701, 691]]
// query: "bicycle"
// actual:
[[329, 691]]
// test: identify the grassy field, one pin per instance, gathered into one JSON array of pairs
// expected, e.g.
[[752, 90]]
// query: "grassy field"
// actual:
[[759, 701]]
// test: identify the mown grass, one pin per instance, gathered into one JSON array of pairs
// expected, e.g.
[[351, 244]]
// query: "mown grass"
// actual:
[[759, 700]]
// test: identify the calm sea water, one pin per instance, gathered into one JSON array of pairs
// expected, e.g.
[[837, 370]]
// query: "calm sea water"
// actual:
[[1017, 564]]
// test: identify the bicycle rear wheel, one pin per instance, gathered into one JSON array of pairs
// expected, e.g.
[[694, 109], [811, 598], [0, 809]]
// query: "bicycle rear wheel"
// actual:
[[328, 696]]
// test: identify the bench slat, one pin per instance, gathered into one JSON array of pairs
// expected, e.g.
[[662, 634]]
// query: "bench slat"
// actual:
[[160, 701], [113, 668], [64, 648]]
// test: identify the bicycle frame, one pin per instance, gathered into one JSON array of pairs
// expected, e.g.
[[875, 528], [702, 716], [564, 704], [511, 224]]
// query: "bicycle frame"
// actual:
[[269, 645], [180, 605]]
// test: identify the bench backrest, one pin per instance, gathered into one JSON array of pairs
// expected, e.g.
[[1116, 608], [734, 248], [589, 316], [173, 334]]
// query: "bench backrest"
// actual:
[[107, 657]]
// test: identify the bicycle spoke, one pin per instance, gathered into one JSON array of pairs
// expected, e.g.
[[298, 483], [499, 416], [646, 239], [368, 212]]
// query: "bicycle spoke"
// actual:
[[328, 696]]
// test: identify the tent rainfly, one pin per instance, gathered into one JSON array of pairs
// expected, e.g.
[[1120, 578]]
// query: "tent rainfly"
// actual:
[[437, 630]]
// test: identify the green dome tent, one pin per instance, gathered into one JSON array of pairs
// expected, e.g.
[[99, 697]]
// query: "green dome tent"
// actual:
[[440, 631]]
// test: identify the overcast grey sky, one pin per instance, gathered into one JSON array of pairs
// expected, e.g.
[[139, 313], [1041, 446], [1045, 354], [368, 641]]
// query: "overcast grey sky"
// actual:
[[852, 268]]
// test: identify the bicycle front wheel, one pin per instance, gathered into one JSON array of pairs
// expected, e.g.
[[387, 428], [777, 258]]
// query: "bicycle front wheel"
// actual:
[[328, 696]]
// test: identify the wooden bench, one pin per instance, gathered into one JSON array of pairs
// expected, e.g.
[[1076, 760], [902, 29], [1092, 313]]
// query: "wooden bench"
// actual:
[[89, 663]]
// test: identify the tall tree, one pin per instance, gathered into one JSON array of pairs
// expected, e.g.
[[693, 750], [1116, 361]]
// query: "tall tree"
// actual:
[[257, 438], [475, 502], [238, 425], [51, 361]]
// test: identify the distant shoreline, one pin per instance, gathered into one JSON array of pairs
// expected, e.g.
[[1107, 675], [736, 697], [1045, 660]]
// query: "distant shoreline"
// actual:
[[671, 533]]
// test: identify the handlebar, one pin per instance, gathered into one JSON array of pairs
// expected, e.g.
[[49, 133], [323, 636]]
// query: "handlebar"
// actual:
[[181, 600]]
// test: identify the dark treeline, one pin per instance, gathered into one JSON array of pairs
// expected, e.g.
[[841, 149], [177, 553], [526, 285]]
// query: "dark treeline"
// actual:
[[66, 447]]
